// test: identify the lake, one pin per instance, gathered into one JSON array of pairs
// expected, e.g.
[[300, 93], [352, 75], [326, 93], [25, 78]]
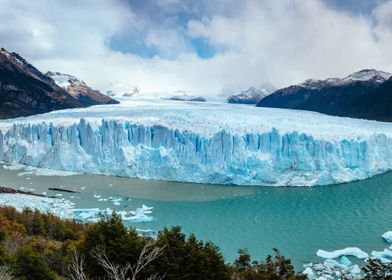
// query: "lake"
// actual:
[[297, 220]]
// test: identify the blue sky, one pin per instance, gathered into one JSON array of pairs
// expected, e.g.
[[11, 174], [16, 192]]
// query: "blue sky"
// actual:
[[205, 46]]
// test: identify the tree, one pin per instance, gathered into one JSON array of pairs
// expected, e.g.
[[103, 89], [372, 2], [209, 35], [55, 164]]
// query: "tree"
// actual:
[[277, 268], [120, 245], [189, 258], [5, 273], [29, 265], [117, 272], [76, 268]]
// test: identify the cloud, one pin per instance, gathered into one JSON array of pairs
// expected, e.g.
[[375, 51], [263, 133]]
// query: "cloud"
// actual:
[[277, 42]]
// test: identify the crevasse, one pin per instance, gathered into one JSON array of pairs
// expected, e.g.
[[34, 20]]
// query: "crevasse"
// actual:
[[123, 148]]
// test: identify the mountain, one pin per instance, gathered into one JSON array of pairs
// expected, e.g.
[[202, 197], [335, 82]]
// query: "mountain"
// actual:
[[377, 106], [250, 96], [26, 91], [361, 94], [80, 90], [183, 95]]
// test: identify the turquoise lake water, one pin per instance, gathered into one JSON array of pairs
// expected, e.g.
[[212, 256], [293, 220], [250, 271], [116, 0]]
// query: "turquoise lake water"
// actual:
[[297, 220]]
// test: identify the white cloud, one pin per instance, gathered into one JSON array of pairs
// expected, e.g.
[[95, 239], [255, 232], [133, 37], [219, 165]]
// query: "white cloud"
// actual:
[[280, 42]]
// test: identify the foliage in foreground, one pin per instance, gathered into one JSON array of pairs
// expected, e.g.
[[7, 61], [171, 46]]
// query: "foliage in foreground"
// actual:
[[41, 246]]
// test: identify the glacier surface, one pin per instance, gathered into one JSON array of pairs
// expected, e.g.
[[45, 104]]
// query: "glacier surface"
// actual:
[[202, 143]]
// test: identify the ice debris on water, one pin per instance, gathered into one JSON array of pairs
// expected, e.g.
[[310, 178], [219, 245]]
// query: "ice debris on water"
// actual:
[[336, 264], [349, 251], [30, 170], [147, 233], [95, 214], [65, 209], [384, 256], [387, 236]]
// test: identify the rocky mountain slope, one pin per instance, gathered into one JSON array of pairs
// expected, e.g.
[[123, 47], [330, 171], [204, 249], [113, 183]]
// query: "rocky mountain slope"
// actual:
[[363, 94], [80, 90], [249, 96], [26, 91]]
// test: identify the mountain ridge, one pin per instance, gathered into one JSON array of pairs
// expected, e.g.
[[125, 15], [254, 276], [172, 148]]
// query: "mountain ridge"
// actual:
[[338, 96], [79, 90], [24, 90]]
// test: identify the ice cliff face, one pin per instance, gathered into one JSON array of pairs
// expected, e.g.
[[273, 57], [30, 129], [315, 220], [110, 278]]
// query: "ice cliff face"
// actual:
[[201, 143]]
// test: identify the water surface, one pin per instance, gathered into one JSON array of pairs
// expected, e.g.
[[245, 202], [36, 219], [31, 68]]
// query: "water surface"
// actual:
[[297, 220]]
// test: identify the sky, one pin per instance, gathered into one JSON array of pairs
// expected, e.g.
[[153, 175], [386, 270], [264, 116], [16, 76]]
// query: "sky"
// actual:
[[201, 46]]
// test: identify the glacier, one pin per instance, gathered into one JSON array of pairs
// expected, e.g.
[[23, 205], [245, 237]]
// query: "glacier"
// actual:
[[201, 142]]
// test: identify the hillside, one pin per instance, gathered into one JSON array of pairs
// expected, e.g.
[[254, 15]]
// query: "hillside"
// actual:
[[364, 94], [26, 91]]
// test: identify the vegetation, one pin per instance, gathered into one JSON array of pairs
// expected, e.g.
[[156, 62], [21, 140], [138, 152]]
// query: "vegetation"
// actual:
[[41, 246]]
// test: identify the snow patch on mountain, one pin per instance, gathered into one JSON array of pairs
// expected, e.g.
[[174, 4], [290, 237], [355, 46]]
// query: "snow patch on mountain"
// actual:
[[79, 89], [250, 96], [370, 75]]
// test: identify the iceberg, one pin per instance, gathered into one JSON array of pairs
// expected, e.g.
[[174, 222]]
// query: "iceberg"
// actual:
[[349, 251], [385, 256], [309, 272], [387, 236], [201, 143]]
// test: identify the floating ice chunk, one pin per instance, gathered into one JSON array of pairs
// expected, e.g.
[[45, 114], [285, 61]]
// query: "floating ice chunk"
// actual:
[[147, 233], [355, 270], [384, 256], [140, 214], [344, 260], [97, 196], [306, 265], [387, 236], [335, 264], [95, 214], [349, 251], [14, 166], [59, 194], [309, 272], [30, 170], [116, 203]]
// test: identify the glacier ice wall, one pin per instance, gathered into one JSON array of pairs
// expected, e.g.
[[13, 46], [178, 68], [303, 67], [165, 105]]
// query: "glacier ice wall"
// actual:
[[123, 148]]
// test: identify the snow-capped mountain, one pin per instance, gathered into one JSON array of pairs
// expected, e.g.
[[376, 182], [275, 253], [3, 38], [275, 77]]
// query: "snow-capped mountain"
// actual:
[[366, 75], [24, 90], [79, 89], [119, 89], [338, 96], [134, 92], [183, 95], [249, 96]]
